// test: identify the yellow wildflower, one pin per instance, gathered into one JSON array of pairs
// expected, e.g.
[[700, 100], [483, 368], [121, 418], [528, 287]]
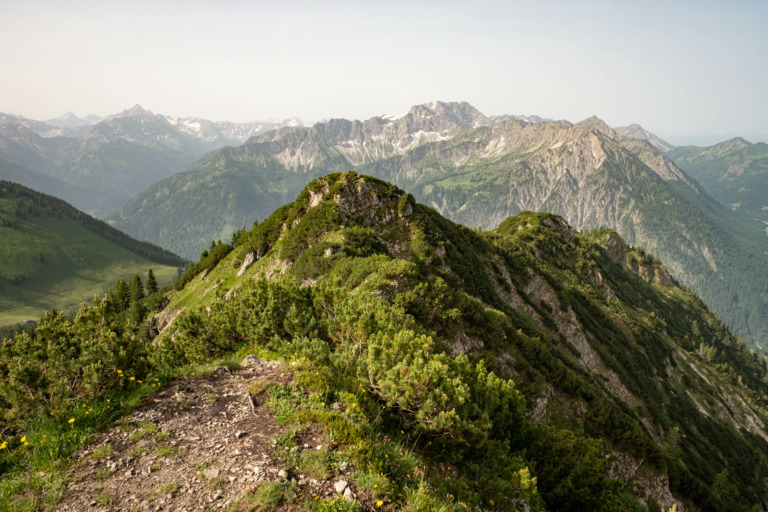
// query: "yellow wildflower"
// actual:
[[24, 439], [71, 420], [133, 378], [4, 445], [379, 503]]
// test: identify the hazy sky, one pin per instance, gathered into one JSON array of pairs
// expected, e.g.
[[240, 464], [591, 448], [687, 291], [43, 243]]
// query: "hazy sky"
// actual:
[[676, 67]]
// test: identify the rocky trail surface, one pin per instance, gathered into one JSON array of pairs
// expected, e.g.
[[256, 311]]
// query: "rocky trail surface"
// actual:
[[200, 444]]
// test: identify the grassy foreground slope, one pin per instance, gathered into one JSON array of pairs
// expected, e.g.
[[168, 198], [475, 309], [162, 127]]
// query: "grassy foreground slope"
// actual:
[[55, 257]]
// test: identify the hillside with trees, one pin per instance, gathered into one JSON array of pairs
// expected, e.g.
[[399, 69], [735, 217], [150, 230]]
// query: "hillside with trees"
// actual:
[[54, 256], [531, 367]]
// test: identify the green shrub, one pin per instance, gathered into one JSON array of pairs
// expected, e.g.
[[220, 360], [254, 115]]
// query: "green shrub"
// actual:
[[441, 395], [68, 360]]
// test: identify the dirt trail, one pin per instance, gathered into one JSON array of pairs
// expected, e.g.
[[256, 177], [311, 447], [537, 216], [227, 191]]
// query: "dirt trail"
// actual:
[[197, 445]]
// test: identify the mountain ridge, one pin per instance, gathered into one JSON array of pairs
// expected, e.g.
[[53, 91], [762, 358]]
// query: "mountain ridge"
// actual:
[[366, 348], [340, 221], [732, 171], [478, 173]]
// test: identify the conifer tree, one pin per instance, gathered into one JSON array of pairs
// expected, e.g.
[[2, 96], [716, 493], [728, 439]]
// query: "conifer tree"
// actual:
[[120, 295], [151, 282], [137, 308], [137, 289]]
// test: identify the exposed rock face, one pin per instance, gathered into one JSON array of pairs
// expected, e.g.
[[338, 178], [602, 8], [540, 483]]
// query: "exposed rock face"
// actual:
[[166, 318], [247, 262]]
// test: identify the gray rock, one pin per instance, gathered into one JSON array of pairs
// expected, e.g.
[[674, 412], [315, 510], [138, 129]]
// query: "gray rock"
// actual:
[[221, 370], [340, 486], [247, 262], [250, 360], [282, 474], [211, 473]]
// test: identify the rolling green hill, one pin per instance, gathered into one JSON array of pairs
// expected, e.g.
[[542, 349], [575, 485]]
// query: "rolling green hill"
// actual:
[[53, 256]]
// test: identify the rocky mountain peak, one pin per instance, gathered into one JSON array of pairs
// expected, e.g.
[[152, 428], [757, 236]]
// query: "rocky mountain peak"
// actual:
[[736, 142], [597, 124], [135, 111], [635, 131], [68, 117], [462, 114], [72, 122], [366, 199]]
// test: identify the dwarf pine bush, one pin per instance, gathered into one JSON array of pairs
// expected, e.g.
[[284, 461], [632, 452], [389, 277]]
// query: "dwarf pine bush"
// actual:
[[68, 359]]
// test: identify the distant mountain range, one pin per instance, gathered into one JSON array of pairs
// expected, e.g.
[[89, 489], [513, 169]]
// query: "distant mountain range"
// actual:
[[478, 171], [53, 256], [113, 158]]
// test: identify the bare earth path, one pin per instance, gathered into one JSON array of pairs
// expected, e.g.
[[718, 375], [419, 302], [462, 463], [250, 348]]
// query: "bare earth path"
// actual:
[[197, 445]]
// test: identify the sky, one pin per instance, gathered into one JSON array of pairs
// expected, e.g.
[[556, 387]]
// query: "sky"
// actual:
[[685, 70]]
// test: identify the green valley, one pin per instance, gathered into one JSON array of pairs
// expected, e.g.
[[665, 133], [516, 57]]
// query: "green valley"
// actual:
[[54, 257]]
